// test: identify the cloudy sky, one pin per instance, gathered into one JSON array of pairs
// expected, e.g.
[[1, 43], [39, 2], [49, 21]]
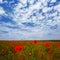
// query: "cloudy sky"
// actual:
[[29, 19]]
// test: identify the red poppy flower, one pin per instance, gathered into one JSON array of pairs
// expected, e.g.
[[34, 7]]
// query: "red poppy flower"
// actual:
[[18, 48], [47, 44], [35, 41]]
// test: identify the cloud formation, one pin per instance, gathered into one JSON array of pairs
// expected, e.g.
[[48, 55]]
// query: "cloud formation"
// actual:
[[29, 20]]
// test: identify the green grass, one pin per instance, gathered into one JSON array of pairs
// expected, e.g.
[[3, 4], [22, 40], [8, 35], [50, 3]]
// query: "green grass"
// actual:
[[30, 50]]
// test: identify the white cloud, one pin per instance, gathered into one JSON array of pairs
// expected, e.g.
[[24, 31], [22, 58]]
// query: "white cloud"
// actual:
[[36, 33], [40, 31], [23, 1], [2, 11], [1, 1], [52, 1]]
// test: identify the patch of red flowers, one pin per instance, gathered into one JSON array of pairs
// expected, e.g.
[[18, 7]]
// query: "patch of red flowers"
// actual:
[[35, 41], [18, 48], [47, 44]]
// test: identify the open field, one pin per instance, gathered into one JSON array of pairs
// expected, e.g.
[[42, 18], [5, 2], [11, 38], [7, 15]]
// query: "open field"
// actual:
[[30, 50]]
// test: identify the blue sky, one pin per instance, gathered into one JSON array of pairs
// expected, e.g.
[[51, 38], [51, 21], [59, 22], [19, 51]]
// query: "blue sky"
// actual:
[[17, 21]]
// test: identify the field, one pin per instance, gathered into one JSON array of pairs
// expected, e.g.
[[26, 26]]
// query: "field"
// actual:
[[29, 50]]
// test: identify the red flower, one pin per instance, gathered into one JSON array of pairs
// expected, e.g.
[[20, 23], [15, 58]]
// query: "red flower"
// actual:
[[18, 48], [47, 44], [35, 41]]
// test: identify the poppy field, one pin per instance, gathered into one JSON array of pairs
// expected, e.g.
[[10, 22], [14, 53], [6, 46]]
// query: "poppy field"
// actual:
[[30, 50]]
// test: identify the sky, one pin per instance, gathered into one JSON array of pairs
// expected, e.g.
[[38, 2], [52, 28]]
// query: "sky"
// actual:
[[29, 19]]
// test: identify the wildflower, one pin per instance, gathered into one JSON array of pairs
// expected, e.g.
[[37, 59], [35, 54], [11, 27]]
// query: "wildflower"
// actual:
[[47, 44], [35, 41], [18, 48]]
